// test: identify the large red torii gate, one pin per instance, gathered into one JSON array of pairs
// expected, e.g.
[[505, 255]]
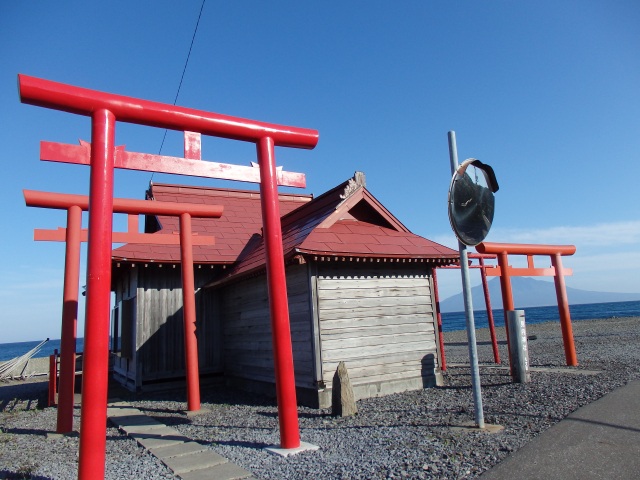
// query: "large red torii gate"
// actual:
[[73, 235], [105, 109], [556, 270]]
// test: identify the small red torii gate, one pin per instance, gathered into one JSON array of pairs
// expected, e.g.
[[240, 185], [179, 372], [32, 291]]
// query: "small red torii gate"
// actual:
[[105, 109], [556, 270], [73, 235]]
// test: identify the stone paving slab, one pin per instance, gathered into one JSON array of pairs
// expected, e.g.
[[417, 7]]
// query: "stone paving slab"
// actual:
[[224, 471], [135, 420], [116, 402], [193, 461], [136, 428], [177, 449], [119, 405], [159, 437], [150, 441], [121, 411]]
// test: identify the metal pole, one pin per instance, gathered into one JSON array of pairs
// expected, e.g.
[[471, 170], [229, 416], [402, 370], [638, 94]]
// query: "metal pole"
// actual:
[[93, 417], [468, 305], [519, 359], [278, 303], [189, 315], [69, 321]]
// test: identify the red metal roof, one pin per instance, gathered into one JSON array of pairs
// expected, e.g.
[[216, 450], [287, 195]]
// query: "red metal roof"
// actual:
[[343, 223], [240, 220], [346, 221], [352, 236]]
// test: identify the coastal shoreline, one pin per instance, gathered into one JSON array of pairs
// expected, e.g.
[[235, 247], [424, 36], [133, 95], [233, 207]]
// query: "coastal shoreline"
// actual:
[[406, 435]]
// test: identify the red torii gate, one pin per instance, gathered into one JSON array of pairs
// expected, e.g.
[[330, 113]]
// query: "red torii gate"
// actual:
[[105, 109], [73, 235], [505, 272]]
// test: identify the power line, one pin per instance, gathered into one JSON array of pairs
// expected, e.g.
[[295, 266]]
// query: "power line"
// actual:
[[184, 70], [189, 54]]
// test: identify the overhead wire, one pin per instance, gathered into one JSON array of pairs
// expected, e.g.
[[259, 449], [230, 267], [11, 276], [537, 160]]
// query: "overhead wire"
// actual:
[[184, 70]]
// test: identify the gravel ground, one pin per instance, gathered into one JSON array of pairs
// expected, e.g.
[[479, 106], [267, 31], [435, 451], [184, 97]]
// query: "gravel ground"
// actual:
[[405, 435]]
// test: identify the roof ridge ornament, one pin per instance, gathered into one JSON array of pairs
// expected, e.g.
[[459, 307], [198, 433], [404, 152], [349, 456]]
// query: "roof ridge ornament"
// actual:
[[359, 180]]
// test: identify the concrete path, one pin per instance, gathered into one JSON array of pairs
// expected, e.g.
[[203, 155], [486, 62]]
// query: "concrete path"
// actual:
[[598, 441], [188, 459]]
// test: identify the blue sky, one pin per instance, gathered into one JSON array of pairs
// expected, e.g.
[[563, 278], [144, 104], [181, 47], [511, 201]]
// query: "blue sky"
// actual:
[[545, 92]]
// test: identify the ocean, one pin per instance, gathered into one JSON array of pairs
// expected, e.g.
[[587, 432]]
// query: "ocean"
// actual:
[[12, 350], [457, 321], [450, 321]]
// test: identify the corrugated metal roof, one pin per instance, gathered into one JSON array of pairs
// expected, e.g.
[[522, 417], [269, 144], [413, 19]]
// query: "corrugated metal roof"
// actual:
[[345, 221], [240, 220], [338, 224]]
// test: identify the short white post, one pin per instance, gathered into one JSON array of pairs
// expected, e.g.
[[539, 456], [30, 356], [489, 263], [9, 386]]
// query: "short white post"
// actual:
[[519, 354]]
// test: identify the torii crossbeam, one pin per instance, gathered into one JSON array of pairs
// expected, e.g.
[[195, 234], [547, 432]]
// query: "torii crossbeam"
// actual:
[[73, 235], [105, 109]]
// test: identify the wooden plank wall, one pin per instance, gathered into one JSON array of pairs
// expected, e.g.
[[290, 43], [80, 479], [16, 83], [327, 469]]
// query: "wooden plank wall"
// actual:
[[244, 306], [160, 330], [378, 319], [125, 293]]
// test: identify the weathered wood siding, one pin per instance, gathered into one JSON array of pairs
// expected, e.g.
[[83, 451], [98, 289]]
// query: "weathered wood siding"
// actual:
[[124, 314], [379, 319], [160, 328], [244, 307]]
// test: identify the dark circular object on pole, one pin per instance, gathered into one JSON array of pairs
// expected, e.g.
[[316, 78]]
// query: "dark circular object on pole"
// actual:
[[471, 201]]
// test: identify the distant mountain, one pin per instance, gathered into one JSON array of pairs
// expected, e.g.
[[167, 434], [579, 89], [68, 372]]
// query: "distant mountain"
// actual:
[[528, 292]]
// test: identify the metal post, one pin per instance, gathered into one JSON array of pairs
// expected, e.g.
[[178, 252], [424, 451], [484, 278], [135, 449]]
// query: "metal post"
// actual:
[[93, 418], [468, 304], [563, 310], [69, 321], [443, 358], [519, 359], [189, 315], [278, 303]]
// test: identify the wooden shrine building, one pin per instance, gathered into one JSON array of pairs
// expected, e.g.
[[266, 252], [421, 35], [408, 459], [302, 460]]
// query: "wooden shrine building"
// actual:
[[359, 284]]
